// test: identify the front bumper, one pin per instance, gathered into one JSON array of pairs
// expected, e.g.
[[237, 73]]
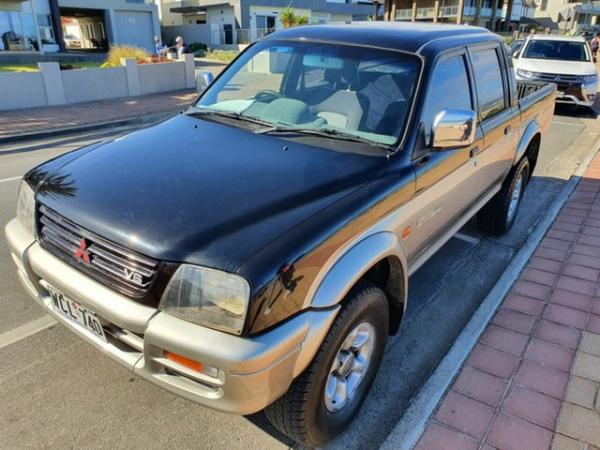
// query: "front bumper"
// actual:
[[251, 372], [572, 93]]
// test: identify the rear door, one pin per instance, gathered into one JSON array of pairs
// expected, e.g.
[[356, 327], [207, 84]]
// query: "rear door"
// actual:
[[499, 114]]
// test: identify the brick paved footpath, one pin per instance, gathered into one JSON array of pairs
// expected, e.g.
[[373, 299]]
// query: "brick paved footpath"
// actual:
[[33, 120], [532, 382]]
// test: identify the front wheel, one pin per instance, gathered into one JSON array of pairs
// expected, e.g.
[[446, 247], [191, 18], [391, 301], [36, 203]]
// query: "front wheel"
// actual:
[[499, 214], [324, 399]]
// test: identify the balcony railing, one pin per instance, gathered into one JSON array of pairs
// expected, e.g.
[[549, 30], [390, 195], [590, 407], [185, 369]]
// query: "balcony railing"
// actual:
[[445, 11], [425, 13], [449, 11], [404, 14]]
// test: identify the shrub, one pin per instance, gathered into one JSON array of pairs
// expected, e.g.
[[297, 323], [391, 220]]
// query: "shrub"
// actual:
[[288, 18], [113, 58]]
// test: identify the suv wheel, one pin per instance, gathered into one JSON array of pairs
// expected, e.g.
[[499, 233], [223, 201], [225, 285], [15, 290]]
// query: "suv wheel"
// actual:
[[499, 214], [324, 399]]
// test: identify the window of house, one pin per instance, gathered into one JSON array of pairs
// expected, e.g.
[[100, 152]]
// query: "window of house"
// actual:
[[488, 82]]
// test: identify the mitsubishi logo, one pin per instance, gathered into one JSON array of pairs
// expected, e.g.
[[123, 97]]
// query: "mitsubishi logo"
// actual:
[[557, 78], [81, 254]]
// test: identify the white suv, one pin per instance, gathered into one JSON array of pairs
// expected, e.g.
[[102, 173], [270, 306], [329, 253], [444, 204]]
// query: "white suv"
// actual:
[[566, 61]]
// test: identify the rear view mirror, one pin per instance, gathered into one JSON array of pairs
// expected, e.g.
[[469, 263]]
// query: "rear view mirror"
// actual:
[[454, 128], [203, 80]]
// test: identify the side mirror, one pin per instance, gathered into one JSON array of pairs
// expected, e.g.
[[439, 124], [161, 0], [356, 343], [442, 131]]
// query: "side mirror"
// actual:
[[454, 128], [516, 54], [203, 80]]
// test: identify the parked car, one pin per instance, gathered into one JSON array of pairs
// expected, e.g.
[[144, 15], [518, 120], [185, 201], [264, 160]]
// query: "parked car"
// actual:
[[255, 251], [72, 41], [515, 46], [566, 61]]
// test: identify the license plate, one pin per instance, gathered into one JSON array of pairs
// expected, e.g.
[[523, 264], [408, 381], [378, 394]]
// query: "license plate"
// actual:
[[560, 94], [76, 312]]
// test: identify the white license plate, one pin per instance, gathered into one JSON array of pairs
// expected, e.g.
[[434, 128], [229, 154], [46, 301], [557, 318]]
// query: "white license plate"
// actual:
[[76, 312]]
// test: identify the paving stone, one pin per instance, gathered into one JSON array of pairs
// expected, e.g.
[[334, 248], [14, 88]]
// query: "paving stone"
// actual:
[[545, 264], [532, 406], [585, 260], [480, 385], [550, 355], [572, 299], [493, 361], [594, 324], [505, 340], [587, 366], [437, 437], [582, 272], [566, 316], [538, 276], [559, 334], [561, 442], [514, 321], [464, 414], [590, 343], [576, 285], [581, 391], [531, 289], [511, 433], [580, 423], [542, 379], [526, 305]]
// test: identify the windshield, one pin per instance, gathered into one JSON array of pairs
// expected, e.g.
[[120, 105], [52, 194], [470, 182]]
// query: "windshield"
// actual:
[[560, 50], [339, 90]]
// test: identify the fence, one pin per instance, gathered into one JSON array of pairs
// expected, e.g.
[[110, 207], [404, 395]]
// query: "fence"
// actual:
[[52, 86]]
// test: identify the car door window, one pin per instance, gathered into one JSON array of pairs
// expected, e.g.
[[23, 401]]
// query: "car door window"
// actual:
[[449, 88], [488, 82]]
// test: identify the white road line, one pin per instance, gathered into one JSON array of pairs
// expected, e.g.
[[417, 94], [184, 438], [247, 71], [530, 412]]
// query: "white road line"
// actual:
[[12, 336], [466, 238], [11, 179]]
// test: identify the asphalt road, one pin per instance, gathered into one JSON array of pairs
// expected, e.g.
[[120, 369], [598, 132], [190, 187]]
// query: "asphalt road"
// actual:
[[58, 392]]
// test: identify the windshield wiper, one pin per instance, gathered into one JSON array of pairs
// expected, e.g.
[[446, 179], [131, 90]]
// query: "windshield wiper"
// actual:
[[227, 114], [330, 133]]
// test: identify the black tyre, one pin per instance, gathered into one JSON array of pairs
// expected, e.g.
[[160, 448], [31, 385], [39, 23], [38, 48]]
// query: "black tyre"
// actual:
[[499, 214], [317, 407]]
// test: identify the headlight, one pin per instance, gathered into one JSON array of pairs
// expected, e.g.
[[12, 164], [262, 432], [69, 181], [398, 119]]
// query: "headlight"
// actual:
[[588, 79], [207, 297], [525, 73], [26, 207]]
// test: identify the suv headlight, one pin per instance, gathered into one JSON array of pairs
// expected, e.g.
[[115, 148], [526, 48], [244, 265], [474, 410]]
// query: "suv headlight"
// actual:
[[588, 79], [525, 73], [208, 297], [26, 206]]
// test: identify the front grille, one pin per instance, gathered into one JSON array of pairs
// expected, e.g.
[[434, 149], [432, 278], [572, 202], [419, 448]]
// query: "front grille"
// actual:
[[556, 78], [107, 262]]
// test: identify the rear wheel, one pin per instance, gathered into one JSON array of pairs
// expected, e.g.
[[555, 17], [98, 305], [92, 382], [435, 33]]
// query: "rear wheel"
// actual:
[[324, 399], [499, 214]]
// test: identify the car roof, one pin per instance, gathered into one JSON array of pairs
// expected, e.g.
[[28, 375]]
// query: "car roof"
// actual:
[[407, 36], [558, 38]]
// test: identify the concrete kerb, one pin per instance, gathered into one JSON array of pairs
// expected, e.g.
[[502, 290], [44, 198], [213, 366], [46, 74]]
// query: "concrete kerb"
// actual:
[[87, 127], [411, 425]]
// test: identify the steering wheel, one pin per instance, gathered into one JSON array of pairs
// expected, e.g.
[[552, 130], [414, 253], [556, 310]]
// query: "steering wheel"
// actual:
[[266, 95]]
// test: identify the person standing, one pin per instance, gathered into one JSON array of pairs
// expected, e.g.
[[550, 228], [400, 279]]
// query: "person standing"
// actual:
[[595, 43], [159, 48], [180, 46]]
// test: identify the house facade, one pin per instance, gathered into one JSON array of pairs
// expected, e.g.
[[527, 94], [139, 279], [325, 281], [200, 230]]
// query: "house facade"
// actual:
[[568, 15], [492, 14], [83, 25], [242, 21]]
